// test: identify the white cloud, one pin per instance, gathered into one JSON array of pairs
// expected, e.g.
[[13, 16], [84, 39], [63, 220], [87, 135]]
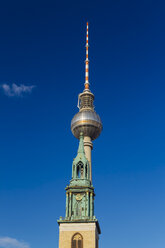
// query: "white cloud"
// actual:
[[6, 242], [16, 90]]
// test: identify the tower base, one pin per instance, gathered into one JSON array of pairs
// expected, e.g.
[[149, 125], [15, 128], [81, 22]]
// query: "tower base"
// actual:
[[78, 234]]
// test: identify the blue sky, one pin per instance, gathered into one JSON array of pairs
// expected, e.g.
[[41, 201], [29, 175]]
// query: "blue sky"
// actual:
[[42, 53]]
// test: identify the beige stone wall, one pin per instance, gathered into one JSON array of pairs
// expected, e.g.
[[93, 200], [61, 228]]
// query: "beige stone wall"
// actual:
[[87, 230]]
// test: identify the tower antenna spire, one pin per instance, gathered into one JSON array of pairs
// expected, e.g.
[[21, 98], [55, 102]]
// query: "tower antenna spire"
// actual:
[[87, 63]]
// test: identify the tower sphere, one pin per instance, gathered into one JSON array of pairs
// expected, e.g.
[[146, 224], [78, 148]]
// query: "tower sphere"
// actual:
[[88, 122]]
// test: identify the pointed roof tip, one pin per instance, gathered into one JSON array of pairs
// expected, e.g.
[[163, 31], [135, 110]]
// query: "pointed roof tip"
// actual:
[[81, 134], [81, 138], [81, 144]]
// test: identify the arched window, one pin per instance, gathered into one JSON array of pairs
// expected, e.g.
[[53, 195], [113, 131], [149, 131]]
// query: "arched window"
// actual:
[[77, 241], [80, 170]]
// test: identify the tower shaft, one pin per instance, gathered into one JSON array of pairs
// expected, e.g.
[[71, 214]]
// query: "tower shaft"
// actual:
[[88, 146]]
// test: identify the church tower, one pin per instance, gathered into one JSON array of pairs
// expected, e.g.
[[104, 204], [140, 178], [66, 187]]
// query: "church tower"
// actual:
[[80, 228]]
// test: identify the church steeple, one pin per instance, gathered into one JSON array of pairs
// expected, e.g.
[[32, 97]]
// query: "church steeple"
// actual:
[[80, 193]]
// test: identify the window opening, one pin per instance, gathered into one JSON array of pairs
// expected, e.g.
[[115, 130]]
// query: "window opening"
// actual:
[[80, 170], [77, 241]]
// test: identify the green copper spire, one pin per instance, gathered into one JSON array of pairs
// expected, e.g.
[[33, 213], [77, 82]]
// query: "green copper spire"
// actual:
[[80, 167]]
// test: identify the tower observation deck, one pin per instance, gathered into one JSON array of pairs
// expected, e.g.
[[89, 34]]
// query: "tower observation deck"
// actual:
[[80, 228]]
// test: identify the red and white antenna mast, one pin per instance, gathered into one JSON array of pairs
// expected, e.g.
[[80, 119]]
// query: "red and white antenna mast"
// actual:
[[87, 63]]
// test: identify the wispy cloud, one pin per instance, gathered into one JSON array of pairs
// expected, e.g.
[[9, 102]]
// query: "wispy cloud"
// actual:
[[7, 242], [16, 90]]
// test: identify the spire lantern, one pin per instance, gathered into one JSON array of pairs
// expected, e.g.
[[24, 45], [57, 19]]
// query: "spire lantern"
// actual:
[[80, 167]]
